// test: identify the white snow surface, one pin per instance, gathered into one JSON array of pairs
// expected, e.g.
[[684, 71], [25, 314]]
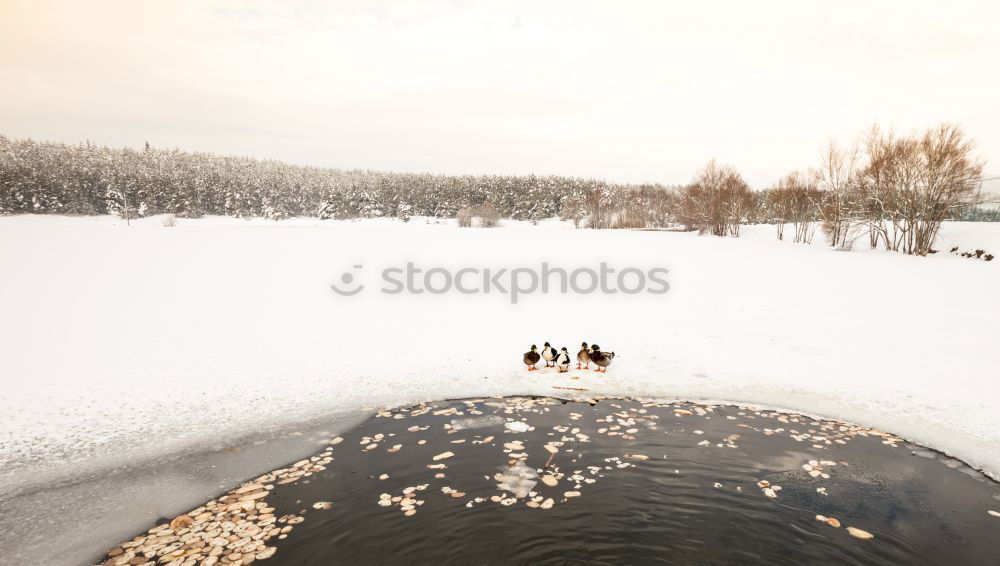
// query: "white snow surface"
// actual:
[[126, 344]]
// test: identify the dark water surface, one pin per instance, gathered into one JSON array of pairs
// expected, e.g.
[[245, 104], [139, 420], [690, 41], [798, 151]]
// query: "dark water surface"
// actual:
[[635, 483]]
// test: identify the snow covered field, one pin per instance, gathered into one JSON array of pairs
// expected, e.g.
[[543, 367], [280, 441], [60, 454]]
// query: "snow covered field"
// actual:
[[121, 346]]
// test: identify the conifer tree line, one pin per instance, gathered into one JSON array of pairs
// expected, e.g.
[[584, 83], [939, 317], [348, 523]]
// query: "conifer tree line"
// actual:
[[891, 191], [86, 179]]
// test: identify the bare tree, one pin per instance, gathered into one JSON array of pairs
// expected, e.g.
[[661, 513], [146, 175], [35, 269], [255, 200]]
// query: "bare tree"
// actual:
[[778, 212], [837, 177], [622, 206], [593, 207], [910, 185], [796, 199], [718, 201], [947, 183], [877, 185]]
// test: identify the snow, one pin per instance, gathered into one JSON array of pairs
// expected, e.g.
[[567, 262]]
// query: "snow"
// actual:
[[123, 346]]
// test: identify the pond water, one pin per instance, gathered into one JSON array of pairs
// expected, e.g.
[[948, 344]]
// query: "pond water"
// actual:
[[544, 481]]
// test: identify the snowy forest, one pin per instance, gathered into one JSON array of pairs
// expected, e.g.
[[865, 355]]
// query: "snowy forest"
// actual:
[[893, 191], [86, 179]]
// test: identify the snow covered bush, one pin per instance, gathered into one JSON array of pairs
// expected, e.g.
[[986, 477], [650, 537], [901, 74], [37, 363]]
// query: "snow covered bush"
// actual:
[[169, 221], [464, 218]]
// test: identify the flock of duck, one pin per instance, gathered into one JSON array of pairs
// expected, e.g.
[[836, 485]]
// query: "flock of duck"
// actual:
[[561, 359]]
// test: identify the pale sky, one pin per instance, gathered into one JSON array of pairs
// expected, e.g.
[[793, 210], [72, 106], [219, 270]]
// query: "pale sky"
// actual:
[[620, 90]]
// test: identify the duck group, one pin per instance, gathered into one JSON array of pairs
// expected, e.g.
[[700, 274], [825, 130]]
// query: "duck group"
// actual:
[[560, 359]]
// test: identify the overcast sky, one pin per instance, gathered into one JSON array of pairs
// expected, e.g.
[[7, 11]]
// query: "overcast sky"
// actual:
[[621, 90]]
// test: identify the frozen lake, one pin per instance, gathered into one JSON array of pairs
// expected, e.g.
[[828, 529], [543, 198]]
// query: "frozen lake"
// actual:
[[124, 347]]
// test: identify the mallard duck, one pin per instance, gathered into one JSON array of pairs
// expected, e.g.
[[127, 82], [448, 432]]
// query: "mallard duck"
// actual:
[[548, 354], [562, 360], [602, 359], [531, 358], [583, 356]]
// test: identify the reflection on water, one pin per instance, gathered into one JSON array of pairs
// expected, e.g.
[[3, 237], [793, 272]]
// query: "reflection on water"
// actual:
[[541, 481]]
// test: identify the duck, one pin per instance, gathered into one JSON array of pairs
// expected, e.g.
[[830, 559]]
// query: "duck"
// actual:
[[562, 360], [583, 356], [531, 358], [602, 359], [549, 354]]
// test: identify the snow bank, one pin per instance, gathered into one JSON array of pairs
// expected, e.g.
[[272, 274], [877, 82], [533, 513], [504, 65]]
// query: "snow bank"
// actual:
[[122, 345]]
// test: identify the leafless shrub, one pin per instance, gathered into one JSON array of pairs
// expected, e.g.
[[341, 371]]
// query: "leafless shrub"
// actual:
[[464, 218], [488, 216], [644, 206], [837, 177], [796, 199], [910, 185], [718, 201], [622, 206], [776, 202], [169, 221], [594, 207]]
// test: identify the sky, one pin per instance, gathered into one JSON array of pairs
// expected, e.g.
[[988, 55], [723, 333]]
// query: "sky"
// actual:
[[627, 91]]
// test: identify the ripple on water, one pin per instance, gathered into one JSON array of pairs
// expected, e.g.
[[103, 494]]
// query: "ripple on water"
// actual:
[[635, 483]]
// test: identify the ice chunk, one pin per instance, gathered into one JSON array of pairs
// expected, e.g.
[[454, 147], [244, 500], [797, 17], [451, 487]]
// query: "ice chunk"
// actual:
[[517, 426], [477, 422], [517, 479]]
